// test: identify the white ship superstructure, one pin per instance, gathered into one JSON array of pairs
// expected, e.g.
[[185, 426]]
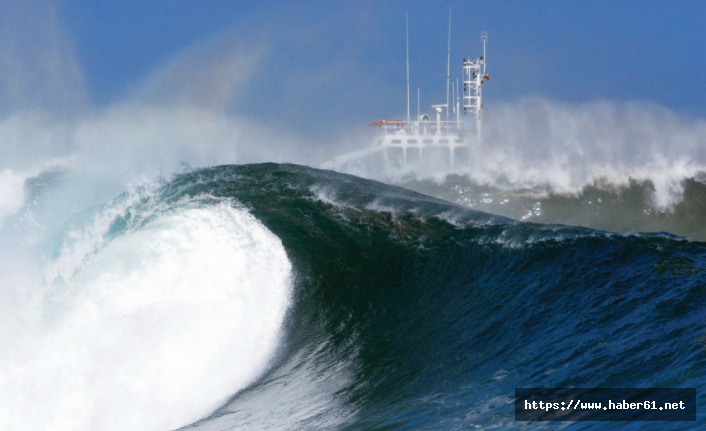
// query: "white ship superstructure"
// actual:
[[438, 141]]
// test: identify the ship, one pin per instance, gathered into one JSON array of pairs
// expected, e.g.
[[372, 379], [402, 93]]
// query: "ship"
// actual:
[[438, 143]]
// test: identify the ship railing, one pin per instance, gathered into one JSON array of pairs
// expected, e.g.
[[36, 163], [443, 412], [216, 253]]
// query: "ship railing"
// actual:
[[422, 128]]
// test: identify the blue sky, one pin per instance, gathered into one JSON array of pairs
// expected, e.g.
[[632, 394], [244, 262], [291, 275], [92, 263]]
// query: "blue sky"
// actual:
[[343, 61]]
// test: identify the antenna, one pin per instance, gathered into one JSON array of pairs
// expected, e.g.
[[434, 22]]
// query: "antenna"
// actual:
[[407, 66], [419, 114], [457, 101], [484, 36], [474, 75], [448, 67]]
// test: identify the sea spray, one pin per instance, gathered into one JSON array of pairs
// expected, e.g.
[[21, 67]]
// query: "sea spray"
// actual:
[[151, 328]]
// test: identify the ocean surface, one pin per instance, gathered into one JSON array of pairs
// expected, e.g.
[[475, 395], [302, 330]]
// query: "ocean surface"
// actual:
[[282, 297], [624, 208]]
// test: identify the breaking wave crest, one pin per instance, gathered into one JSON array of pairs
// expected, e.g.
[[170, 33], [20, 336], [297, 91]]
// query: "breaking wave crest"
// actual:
[[150, 317]]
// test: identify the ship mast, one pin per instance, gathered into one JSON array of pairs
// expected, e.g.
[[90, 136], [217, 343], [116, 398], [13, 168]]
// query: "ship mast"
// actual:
[[407, 42], [448, 66], [475, 74]]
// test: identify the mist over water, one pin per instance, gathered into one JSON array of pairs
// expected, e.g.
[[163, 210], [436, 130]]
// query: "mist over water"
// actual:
[[110, 308], [622, 167]]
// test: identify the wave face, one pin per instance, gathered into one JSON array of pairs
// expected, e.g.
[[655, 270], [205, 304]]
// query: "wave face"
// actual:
[[284, 297], [411, 313]]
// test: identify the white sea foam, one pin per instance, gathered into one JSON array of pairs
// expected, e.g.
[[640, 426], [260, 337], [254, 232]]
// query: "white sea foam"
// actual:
[[154, 330], [567, 147]]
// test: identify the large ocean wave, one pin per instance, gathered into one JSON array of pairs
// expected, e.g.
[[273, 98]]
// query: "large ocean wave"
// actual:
[[138, 293], [285, 297]]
